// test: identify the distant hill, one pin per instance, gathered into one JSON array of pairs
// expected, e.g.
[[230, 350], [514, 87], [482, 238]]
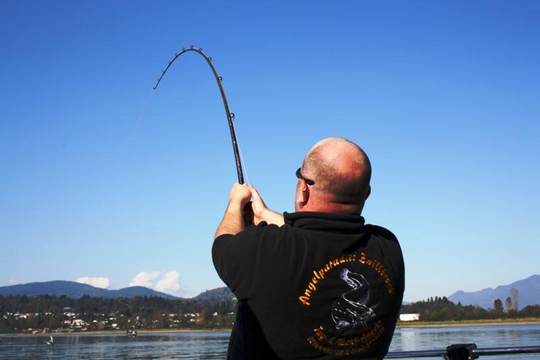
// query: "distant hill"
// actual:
[[134, 291], [76, 290], [528, 294], [215, 295]]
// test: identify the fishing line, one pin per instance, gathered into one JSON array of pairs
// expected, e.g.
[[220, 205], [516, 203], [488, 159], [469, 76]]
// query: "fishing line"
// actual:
[[143, 109]]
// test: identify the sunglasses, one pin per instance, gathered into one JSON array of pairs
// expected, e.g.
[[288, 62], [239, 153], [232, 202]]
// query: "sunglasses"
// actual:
[[300, 176]]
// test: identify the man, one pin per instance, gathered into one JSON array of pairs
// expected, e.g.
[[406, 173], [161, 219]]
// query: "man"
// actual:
[[317, 283]]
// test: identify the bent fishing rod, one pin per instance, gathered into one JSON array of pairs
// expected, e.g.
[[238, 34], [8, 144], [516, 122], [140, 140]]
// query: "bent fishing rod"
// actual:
[[230, 115]]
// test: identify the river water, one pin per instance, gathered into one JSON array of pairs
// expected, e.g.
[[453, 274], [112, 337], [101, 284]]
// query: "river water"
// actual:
[[213, 345]]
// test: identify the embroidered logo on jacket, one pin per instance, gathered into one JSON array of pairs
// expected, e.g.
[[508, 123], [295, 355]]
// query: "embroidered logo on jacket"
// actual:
[[353, 324]]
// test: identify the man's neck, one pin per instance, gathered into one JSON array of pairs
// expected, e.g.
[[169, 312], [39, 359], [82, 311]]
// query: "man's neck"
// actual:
[[332, 208]]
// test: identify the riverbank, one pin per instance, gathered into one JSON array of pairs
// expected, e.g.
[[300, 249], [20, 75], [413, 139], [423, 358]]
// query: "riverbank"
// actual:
[[406, 324], [121, 332], [484, 322], [165, 344]]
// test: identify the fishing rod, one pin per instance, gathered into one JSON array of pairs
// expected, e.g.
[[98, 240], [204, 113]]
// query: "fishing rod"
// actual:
[[230, 115], [464, 352]]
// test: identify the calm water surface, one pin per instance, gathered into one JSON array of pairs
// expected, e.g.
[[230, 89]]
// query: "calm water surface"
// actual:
[[213, 345]]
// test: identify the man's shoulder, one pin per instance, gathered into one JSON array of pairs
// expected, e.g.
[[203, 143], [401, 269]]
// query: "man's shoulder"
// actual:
[[254, 231], [264, 229], [380, 231], [252, 238]]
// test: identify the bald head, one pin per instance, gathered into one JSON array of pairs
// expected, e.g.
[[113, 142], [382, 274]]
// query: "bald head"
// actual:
[[341, 171]]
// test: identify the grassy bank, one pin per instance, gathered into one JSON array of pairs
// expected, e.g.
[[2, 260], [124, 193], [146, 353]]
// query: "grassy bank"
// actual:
[[122, 332], [401, 324], [486, 322]]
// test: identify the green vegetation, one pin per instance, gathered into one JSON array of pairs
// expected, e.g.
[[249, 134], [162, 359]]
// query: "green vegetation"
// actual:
[[442, 309], [419, 324], [49, 313]]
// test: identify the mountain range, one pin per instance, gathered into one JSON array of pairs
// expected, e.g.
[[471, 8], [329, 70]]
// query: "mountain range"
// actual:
[[528, 293], [77, 290]]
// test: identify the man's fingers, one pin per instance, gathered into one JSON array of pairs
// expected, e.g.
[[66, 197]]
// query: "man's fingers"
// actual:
[[240, 193], [255, 195]]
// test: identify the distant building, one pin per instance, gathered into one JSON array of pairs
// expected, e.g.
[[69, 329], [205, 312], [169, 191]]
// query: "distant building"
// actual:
[[409, 317], [78, 324]]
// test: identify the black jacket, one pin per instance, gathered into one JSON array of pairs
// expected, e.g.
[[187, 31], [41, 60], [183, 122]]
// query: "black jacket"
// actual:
[[322, 286]]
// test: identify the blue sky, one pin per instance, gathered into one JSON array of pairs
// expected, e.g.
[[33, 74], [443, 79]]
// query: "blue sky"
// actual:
[[102, 177]]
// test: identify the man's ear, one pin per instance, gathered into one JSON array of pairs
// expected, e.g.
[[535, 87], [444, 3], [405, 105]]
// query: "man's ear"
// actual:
[[303, 196], [368, 192]]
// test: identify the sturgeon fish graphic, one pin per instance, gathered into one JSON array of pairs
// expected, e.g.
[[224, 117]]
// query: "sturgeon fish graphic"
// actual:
[[350, 311]]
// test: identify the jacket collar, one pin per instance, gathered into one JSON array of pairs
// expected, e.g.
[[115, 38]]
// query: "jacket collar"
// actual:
[[340, 223]]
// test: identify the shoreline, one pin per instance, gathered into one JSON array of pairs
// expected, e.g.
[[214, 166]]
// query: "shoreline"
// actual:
[[404, 325], [119, 332], [458, 323]]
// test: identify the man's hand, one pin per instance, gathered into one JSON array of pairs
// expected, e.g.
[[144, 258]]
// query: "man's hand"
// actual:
[[233, 220], [240, 195], [261, 212], [258, 205]]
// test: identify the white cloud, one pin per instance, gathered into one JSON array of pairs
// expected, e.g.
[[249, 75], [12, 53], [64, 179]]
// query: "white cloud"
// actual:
[[99, 282], [168, 282], [145, 279]]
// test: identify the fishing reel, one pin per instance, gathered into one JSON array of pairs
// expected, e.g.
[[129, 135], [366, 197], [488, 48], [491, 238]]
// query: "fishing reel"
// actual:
[[461, 352]]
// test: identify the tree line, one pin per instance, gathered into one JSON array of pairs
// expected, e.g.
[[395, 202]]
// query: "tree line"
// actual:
[[20, 313], [442, 309]]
